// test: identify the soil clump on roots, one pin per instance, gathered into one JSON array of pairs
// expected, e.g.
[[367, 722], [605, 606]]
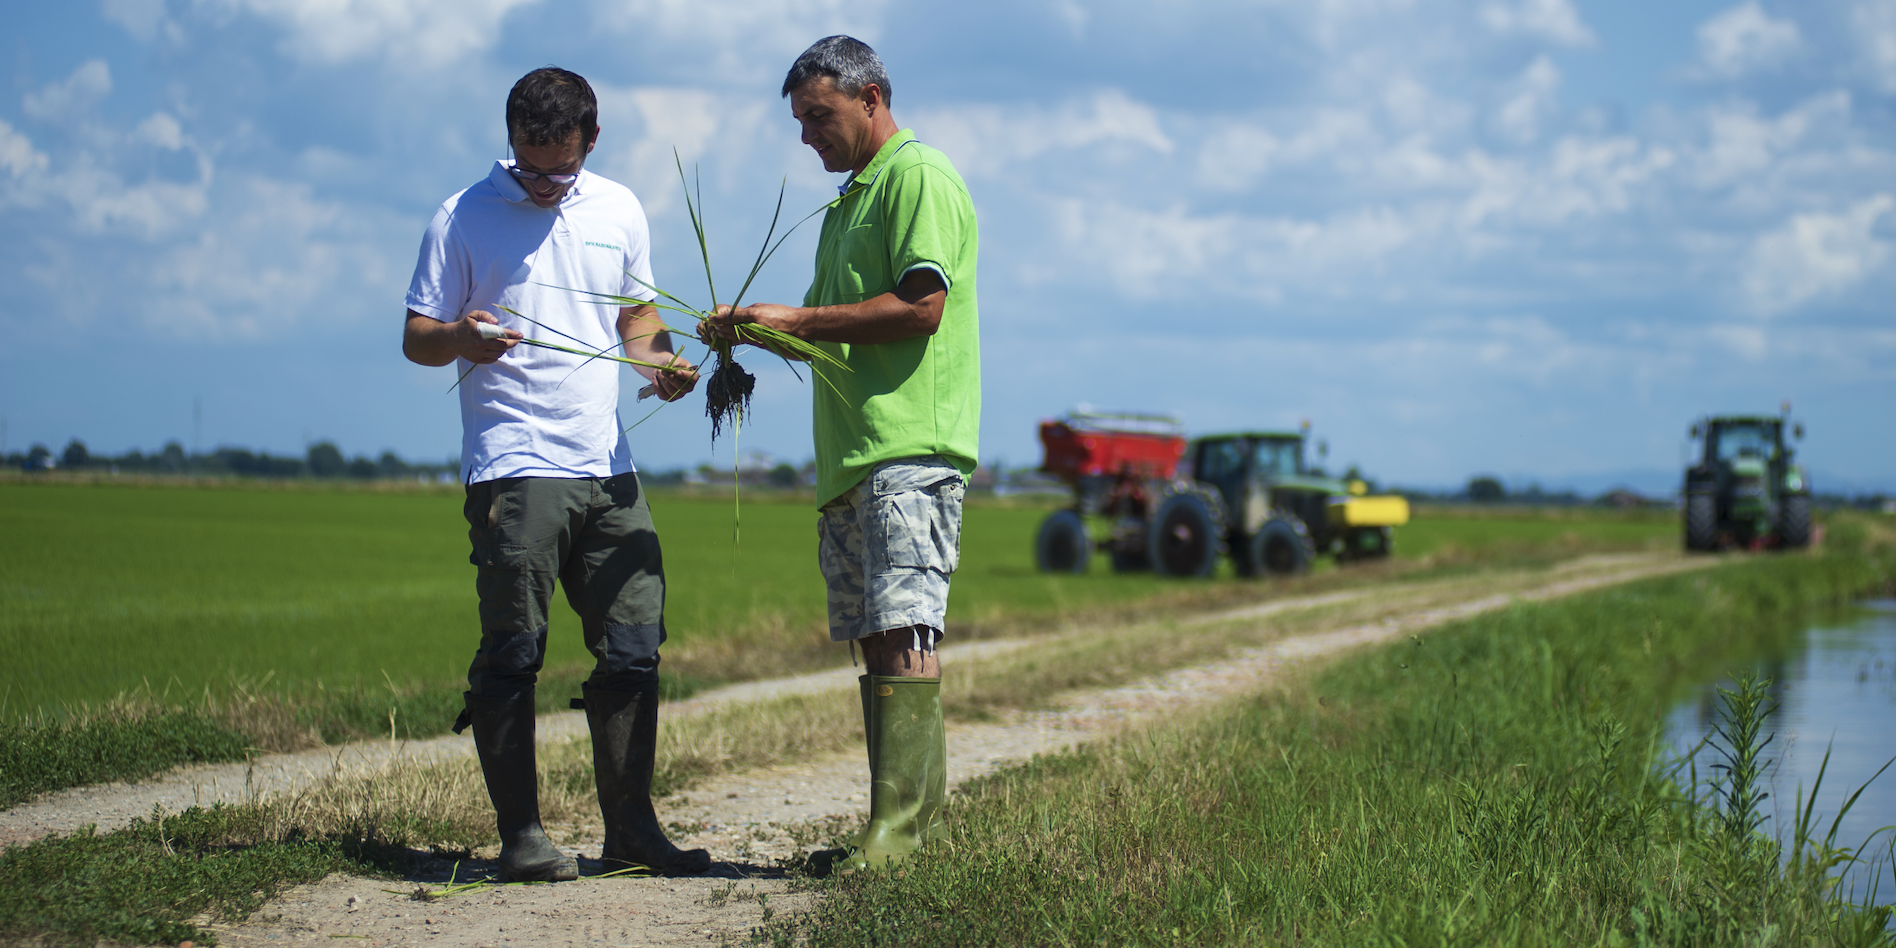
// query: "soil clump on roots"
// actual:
[[727, 394]]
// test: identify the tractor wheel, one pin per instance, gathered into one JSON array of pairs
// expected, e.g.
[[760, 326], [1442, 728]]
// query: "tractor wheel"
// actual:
[[1794, 522], [1184, 537], [1701, 523], [1062, 545], [1282, 546]]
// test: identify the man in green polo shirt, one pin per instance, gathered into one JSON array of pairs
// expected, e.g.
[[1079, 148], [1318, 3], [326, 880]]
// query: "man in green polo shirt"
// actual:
[[893, 299]]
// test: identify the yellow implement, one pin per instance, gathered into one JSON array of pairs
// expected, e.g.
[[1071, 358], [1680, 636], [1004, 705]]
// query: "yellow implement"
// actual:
[[1386, 511]]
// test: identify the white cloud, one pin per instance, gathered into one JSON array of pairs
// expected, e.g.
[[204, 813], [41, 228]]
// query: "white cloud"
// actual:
[[404, 33], [162, 130], [146, 20], [59, 101], [1816, 254], [1745, 39], [1520, 116], [641, 127], [17, 153], [733, 43], [1235, 154], [1580, 178], [1168, 252], [994, 139], [1740, 145], [273, 251], [1875, 28], [1552, 20]]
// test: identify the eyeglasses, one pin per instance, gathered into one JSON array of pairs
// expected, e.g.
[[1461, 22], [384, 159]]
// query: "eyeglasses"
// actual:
[[554, 178]]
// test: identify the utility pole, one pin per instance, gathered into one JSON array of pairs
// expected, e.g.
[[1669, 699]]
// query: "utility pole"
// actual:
[[197, 425]]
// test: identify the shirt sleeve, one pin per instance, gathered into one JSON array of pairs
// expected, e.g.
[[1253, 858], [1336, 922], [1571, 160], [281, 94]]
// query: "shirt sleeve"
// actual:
[[441, 284], [926, 221], [638, 258]]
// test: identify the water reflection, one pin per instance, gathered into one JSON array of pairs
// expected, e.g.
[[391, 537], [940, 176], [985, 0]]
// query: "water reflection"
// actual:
[[1835, 686]]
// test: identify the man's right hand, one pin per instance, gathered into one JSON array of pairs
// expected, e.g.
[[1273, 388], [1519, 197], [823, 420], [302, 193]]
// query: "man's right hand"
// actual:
[[476, 349], [429, 341]]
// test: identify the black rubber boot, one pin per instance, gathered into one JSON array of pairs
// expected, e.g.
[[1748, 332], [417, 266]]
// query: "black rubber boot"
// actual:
[[503, 734], [625, 741]]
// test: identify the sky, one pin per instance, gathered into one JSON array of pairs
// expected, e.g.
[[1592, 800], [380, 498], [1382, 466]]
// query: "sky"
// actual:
[[1530, 238]]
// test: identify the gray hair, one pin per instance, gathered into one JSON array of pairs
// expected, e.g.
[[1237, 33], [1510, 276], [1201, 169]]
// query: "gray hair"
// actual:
[[847, 61]]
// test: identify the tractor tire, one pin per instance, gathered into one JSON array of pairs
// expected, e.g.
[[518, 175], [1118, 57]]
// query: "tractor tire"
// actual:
[[1062, 546], [1184, 536], [1701, 523], [1366, 543], [1794, 522], [1282, 546]]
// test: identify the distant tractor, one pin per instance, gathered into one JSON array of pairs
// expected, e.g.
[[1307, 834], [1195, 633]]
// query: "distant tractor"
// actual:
[[1249, 496], [1745, 491]]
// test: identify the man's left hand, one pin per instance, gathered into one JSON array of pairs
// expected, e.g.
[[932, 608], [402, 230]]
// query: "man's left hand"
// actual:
[[770, 315]]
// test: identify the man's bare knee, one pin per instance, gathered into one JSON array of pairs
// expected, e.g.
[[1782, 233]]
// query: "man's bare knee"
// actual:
[[893, 653]]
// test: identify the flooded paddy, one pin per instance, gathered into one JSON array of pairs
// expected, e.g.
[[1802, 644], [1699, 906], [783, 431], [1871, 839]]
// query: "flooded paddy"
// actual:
[[1835, 689]]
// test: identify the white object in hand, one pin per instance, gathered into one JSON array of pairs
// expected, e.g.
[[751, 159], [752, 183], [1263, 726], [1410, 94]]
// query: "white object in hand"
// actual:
[[647, 392], [492, 330]]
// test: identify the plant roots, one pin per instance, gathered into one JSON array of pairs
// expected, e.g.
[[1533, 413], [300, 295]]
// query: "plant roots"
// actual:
[[727, 394]]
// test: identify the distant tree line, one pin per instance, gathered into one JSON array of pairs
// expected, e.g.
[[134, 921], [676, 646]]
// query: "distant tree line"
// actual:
[[323, 460]]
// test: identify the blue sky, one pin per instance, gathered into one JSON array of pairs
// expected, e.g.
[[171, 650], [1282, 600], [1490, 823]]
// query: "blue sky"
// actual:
[[1526, 237]]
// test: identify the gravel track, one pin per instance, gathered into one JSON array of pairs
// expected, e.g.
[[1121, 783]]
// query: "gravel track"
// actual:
[[753, 822]]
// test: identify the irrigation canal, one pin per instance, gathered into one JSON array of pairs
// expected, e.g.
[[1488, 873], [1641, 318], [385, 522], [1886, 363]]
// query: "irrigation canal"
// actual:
[[1835, 688]]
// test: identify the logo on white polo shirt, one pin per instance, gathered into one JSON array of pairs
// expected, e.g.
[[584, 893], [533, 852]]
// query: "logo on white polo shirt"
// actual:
[[612, 247]]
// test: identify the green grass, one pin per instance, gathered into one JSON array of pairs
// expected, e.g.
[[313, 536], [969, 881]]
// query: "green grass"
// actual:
[[1491, 783], [143, 885], [51, 755], [106, 590]]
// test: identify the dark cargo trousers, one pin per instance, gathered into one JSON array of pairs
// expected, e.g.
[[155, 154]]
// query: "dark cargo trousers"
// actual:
[[595, 536]]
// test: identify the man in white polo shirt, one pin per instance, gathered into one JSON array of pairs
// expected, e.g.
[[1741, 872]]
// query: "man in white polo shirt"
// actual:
[[551, 491]]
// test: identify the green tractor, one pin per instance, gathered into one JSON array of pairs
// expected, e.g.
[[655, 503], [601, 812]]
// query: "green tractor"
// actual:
[[1274, 513], [1745, 491]]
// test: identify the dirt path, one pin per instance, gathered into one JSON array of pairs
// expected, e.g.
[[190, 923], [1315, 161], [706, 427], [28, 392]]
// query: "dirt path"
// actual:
[[756, 821]]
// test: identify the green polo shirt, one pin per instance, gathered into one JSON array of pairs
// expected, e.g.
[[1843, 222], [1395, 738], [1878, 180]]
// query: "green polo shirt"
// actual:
[[907, 210]]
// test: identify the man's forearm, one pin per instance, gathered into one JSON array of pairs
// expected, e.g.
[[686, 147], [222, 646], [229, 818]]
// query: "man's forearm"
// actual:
[[428, 341], [646, 338], [910, 310], [885, 318]]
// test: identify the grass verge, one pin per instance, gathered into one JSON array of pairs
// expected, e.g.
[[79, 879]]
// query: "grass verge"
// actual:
[[142, 885], [1492, 782], [119, 744]]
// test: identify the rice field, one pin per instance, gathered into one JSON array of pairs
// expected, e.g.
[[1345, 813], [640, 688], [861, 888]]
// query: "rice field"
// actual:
[[106, 589]]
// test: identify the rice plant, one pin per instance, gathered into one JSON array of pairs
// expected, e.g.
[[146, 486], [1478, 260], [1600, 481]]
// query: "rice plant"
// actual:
[[728, 388]]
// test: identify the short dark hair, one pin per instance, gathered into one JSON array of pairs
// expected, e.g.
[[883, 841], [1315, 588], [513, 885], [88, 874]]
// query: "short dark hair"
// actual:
[[847, 61], [548, 105]]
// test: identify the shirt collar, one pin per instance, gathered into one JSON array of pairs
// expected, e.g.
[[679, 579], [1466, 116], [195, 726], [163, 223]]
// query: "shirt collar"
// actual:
[[515, 192], [873, 170]]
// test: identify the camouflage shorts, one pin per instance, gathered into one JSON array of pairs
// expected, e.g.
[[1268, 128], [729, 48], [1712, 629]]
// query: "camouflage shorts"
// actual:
[[888, 545]]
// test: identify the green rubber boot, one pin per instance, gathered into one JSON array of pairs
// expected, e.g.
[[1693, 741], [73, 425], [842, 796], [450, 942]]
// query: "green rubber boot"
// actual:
[[908, 773]]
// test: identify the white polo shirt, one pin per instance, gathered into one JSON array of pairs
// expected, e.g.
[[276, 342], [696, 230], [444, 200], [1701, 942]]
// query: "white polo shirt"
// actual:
[[530, 414]]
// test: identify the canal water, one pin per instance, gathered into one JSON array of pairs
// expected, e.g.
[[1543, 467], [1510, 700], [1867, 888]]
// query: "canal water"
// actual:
[[1835, 687]]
